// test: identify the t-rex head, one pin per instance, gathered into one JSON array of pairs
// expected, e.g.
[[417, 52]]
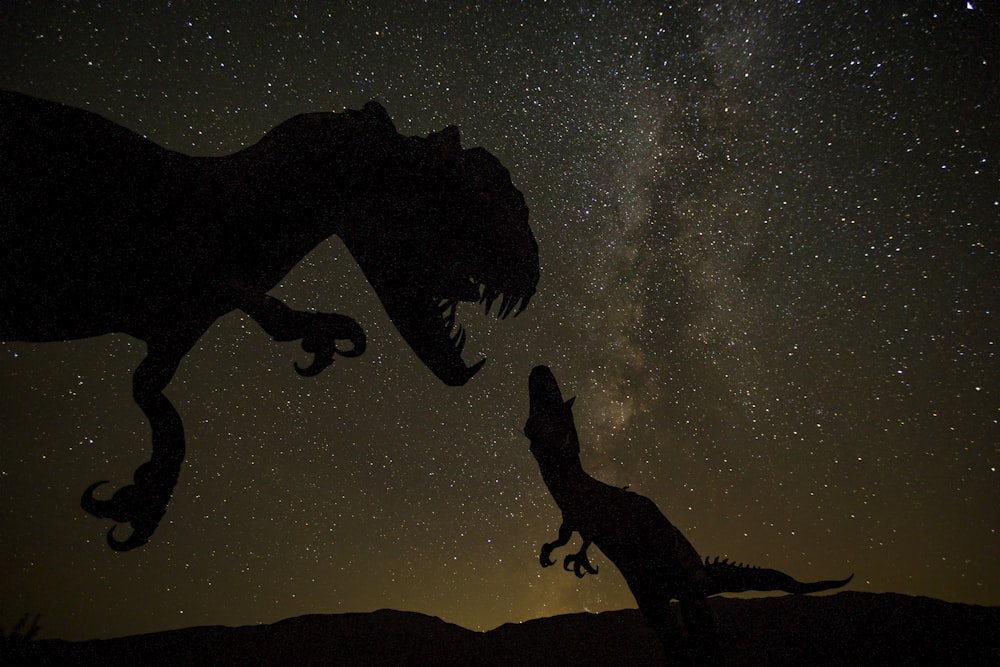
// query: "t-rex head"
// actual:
[[550, 426], [454, 229]]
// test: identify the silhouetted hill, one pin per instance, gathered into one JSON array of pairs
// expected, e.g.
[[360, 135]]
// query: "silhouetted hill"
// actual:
[[846, 628]]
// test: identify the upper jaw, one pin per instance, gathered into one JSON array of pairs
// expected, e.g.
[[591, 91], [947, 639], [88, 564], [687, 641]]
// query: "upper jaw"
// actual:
[[423, 305]]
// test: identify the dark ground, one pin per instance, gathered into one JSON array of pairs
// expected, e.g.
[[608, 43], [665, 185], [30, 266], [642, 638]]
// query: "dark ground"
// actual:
[[846, 628]]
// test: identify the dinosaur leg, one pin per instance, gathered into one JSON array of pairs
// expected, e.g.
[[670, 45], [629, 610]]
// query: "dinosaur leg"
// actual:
[[565, 533], [654, 604], [579, 562], [700, 626], [319, 331], [143, 503]]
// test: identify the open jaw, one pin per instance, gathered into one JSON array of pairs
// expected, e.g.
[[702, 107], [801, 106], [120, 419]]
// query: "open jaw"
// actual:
[[430, 326], [428, 322]]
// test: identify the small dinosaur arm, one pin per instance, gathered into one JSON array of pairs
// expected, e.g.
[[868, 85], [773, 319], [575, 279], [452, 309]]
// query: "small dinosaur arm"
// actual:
[[104, 231], [654, 557]]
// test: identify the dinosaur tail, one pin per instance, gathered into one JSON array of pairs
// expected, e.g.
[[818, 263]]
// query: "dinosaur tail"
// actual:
[[735, 578]]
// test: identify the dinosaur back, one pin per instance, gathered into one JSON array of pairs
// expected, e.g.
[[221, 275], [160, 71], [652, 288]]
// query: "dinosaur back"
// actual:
[[74, 215], [42, 141]]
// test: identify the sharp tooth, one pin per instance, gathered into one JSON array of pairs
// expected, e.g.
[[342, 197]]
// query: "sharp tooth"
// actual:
[[489, 298], [442, 304], [472, 370], [482, 292], [460, 340], [522, 305], [505, 306]]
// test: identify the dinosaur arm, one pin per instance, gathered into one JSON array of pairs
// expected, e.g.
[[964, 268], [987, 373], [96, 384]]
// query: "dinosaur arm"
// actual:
[[319, 331], [565, 533]]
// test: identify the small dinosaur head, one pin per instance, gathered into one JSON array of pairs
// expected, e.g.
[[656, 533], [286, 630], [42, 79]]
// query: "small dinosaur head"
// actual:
[[453, 229], [550, 426]]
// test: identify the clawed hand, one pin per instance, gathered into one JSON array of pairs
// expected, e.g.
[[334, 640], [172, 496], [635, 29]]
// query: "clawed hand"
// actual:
[[576, 563], [321, 337]]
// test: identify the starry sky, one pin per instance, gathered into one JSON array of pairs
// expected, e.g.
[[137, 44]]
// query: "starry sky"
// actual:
[[768, 236]]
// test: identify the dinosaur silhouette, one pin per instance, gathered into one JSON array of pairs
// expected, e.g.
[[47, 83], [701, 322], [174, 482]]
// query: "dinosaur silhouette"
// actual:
[[104, 231], [654, 557]]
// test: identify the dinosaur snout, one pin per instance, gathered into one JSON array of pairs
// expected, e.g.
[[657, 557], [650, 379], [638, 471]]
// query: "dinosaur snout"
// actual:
[[550, 419], [543, 390]]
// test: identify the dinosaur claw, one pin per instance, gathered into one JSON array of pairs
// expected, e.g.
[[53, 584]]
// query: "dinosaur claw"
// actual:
[[136, 539], [92, 505], [320, 362], [141, 505], [122, 508], [321, 340]]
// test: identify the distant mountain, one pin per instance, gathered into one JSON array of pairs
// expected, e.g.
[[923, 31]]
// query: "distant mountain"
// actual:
[[846, 628]]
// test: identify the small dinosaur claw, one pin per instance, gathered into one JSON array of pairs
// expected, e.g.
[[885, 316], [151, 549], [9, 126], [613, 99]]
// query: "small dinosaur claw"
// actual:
[[578, 564], [543, 557]]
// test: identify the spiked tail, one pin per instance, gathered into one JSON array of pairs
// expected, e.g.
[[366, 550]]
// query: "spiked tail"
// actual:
[[735, 578]]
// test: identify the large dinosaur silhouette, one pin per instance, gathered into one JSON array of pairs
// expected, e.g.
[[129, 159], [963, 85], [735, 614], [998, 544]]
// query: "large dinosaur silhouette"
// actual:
[[104, 231], [655, 558]]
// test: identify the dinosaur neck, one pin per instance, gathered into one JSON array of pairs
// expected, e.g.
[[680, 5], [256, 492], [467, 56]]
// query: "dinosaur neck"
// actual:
[[297, 192], [566, 480], [283, 203]]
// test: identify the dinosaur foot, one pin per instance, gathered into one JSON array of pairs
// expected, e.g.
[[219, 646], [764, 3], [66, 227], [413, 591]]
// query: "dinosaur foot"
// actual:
[[141, 505], [321, 336], [578, 564]]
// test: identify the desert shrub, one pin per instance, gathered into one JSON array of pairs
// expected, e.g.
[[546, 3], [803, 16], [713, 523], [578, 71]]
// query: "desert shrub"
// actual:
[[22, 631]]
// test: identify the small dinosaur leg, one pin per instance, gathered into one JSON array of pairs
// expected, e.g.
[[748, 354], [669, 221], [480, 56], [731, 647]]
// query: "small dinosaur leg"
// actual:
[[653, 599], [319, 331], [579, 562], [700, 626], [143, 503], [565, 533]]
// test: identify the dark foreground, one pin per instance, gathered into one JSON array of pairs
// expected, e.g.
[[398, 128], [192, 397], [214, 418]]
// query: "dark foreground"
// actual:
[[846, 628]]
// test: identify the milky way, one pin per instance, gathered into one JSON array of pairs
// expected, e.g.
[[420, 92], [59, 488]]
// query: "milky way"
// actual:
[[768, 239]]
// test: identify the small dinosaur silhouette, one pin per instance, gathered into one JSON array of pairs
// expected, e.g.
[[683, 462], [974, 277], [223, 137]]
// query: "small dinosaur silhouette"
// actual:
[[654, 557], [105, 231]]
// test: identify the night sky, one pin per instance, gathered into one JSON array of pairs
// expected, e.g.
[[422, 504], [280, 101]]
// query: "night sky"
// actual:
[[768, 237]]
